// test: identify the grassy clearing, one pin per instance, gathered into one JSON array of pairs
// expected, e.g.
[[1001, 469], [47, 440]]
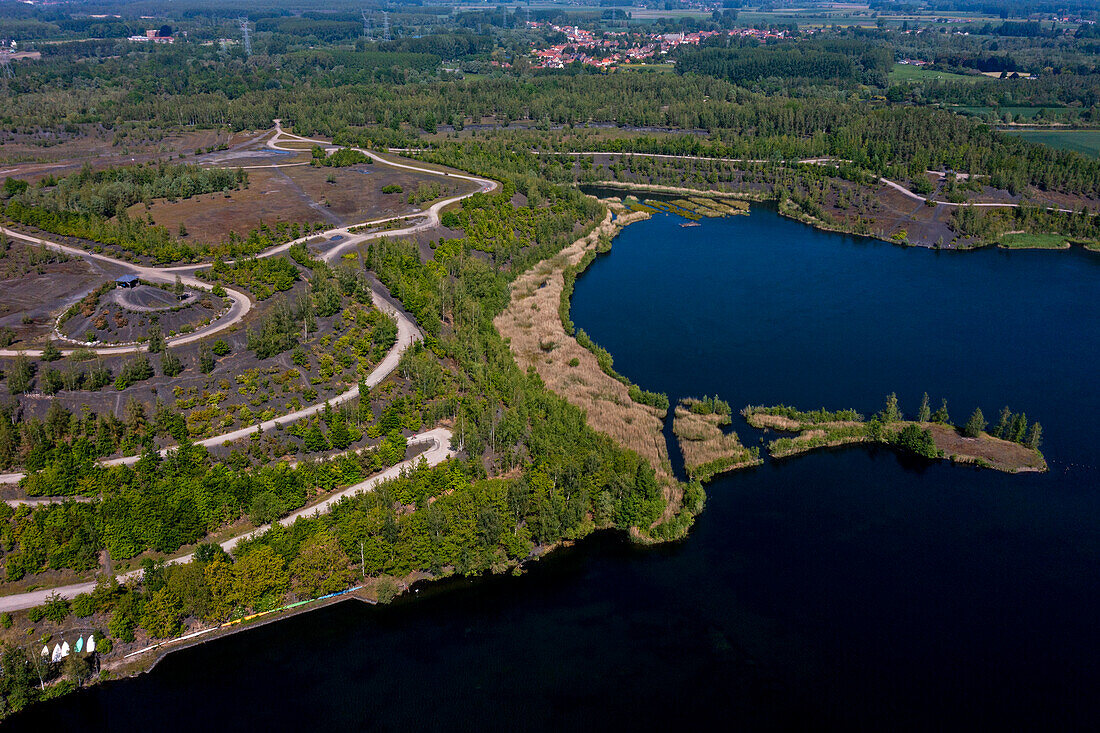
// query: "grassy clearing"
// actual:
[[1022, 240], [905, 73], [658, 68]]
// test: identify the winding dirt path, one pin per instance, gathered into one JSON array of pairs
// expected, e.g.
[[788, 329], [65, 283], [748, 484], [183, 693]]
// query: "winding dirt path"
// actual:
[[407, 331], [439, 439]]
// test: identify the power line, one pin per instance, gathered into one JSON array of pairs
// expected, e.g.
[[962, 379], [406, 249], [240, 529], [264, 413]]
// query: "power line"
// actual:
[[247, 39]]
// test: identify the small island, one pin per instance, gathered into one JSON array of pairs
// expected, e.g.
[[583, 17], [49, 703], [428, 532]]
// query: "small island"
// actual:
[[707, 450], [1012, 446]]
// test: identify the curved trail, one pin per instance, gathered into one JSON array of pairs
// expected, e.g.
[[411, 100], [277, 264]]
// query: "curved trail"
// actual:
[[439, 450], [407, 332], [242, 304], [438, 439]]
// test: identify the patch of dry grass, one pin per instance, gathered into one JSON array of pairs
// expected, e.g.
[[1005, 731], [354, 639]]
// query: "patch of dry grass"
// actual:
[[537, 339], [1003, 455], [706, 449]]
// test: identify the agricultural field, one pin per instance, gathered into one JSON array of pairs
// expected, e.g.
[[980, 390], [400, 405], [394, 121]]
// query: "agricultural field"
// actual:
[[1085, 142], [904, 73]]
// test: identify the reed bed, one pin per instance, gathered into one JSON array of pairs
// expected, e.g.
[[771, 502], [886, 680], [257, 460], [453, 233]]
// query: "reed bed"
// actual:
[[531, 321], [707, 450]]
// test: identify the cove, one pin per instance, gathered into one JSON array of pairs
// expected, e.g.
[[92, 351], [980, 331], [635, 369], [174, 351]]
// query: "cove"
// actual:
[[853, 588]]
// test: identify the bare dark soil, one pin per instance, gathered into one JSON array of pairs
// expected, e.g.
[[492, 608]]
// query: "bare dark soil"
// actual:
[[114, 321], [297, 194], [32, 297], [241, 390], [21, 157]]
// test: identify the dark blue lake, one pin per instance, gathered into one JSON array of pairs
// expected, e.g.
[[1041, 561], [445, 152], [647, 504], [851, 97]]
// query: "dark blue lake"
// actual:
[[853, 589]]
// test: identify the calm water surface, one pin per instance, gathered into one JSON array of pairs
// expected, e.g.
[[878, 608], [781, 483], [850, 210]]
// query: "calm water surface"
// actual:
[[853, 589]]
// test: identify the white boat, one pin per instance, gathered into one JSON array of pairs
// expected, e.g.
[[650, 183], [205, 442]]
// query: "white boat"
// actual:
[[46, 651], [65, 649], [56, 653], [91, 643]]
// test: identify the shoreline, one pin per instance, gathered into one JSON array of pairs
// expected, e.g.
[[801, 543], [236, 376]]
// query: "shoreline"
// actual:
[[805, 436], [536, 328], [757, 198], [811, 221]]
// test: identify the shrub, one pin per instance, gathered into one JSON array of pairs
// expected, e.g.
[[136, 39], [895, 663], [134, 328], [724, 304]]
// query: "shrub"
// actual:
[[56, 608], [386, 588], [917, 440], [83, 606]]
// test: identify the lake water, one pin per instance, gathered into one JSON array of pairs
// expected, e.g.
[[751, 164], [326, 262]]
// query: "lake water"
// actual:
[[852, 588]]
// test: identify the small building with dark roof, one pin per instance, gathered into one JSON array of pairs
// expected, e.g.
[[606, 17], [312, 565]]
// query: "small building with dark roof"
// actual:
[[127, 281]]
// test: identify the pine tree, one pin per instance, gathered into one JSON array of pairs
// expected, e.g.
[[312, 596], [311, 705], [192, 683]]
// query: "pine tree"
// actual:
[[338, 435], [170, 364], [21, 375], [156, 339], [1019, 428], [1035, 436], [975, 425], [206, 359], [314, 439], [50, 352], [891, 413], [1003, 423], [924, 414], [940, 416]]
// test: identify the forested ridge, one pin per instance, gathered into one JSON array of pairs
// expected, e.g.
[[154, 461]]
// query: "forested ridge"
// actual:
[[881, 138], [837, 61]]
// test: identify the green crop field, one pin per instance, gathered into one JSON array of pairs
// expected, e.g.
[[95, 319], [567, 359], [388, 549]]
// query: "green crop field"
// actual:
[[908, 73], [1086, 142]]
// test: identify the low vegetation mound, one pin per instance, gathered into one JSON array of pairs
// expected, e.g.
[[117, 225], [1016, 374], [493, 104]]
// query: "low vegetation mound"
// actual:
[[1011, 447], [706, 448]]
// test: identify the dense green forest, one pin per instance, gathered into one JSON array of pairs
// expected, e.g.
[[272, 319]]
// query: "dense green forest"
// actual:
[[884, 139], [836, 61]]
